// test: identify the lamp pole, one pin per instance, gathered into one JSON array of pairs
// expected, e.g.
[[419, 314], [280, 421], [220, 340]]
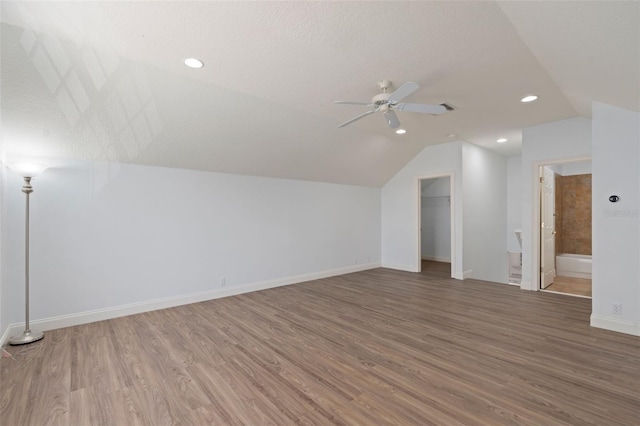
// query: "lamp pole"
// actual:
[[27, 336]]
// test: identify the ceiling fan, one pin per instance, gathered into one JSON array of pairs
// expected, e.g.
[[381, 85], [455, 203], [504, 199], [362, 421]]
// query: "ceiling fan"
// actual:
[[388, 102]]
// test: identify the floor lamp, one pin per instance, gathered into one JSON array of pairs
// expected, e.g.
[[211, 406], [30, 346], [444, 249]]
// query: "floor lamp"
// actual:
[[28, 172]]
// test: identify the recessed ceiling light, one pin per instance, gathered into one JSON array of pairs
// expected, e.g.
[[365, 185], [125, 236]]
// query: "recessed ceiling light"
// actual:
[[501, 140], [193, 63], [529, 98], [452, 135], [401, 131]]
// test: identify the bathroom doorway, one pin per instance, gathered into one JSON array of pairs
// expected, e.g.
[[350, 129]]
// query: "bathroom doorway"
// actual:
[[435, 226], [565, 228]]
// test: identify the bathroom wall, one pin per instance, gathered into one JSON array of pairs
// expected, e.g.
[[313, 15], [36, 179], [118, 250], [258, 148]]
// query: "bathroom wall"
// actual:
[[575, 217], [558, 213], [579, 168]]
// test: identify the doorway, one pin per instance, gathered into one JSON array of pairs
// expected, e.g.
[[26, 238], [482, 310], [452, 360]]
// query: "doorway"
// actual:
[[565, 228], [435, 226]]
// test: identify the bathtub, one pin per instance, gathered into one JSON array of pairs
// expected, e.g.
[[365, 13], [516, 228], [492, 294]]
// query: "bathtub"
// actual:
[[573, 265]]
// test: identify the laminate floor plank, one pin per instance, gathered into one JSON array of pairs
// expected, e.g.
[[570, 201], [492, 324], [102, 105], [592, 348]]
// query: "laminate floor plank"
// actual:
[[236, 399], [378, 347]]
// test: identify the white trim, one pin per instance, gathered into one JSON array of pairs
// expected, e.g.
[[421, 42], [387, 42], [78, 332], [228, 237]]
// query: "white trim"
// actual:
[[544, 290], [400, 267], [169, 302], [620, 326], [528, 286], [436, 259], [571, 274], [9, 332], [467, 274]]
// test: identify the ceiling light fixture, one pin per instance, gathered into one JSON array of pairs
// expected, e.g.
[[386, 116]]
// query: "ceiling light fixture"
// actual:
[[193, 63], [401, 131], [501, 140], [529, 98], [452, 135]]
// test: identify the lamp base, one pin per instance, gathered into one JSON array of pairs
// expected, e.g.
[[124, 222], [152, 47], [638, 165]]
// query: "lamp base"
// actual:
[[27, 336]]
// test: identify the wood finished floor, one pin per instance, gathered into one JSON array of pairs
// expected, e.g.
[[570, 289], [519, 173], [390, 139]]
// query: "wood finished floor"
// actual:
[[569, 285], [372, 348], [436, 269]]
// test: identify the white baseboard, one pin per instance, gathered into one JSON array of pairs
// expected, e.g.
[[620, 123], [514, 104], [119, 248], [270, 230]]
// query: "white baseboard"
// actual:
[[399, 267], [572, 274], [612, 324], [437, 259], [525, 285], [7, 333], [467, 274], [169, 302]]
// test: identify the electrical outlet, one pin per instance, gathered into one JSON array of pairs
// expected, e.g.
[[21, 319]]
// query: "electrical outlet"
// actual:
[[355, 260], [223, 281], [616, 308], [368, 260]]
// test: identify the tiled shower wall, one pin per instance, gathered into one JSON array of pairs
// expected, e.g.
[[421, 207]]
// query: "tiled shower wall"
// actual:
[[573, 214], [558, 212]]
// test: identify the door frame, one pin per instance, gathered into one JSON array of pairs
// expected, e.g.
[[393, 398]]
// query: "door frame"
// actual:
[[456, 268], [536, 216], [543, 231]]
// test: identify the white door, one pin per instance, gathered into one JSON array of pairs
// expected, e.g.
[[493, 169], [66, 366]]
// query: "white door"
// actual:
[[548, 243]]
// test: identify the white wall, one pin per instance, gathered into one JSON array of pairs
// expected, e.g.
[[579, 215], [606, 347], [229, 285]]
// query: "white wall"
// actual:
[[555, 142], [400, 197], [514, 202], [479, 210], [616, 226], [110, 235], [571, 169], [484, 177], [435, 220], [437, 187]]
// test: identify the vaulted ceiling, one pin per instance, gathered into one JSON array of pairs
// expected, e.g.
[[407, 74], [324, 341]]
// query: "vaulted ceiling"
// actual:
[[106, 80]]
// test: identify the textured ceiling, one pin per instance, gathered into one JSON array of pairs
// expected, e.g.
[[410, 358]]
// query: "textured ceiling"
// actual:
[[106, 81]]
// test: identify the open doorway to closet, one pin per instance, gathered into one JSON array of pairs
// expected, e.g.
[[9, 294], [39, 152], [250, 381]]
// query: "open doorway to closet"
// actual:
[[435, 226]]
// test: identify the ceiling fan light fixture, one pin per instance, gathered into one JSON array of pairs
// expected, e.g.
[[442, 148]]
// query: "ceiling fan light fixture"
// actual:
[[194, 63], [529, 98], [387, 103], [401, 131]]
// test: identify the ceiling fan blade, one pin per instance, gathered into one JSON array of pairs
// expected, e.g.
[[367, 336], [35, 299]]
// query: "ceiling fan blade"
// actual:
[[392, 119], [424, 108], [403, 91], [353, 103], [357, 117]]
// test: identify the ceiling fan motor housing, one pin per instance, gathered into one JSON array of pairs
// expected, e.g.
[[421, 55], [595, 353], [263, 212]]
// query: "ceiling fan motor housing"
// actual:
[[381, 99]]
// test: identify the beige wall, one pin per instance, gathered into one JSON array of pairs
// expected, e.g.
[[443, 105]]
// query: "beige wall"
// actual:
[[573, 214]]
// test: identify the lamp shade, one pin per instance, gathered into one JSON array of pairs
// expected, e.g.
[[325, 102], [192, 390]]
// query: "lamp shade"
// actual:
[[26, 169]]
